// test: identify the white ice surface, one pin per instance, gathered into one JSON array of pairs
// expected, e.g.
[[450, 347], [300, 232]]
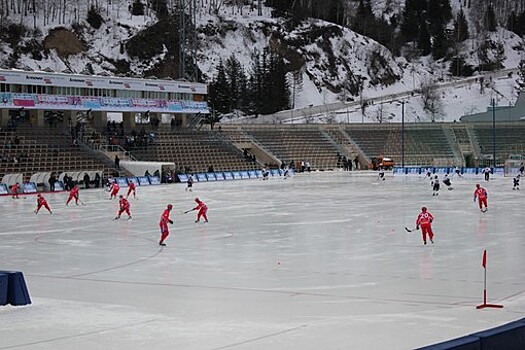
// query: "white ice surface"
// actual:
[[319, 261]]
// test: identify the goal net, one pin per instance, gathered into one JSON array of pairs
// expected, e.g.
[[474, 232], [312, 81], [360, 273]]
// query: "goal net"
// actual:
[[512, 165]]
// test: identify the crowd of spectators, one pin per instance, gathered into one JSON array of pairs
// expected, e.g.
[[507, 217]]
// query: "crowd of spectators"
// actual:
[[13, 152]]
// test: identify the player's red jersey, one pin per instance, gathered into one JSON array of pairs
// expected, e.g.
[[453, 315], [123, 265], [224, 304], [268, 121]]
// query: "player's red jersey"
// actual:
[[424, 219], [115, 187], [41, 201], [14, 188], [202, 208], [124, 204], [165, 217], [164, 220], [480, 192], [200, 205], [74, 191], [131, 185]]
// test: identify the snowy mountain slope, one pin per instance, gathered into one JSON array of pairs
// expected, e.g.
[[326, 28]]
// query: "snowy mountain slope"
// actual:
[[330, 63]]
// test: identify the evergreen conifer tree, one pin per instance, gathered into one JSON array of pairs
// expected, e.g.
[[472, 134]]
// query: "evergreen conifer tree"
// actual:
[[461, 31]]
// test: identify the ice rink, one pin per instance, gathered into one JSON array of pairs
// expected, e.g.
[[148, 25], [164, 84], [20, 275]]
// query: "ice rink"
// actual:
[[318, 261]]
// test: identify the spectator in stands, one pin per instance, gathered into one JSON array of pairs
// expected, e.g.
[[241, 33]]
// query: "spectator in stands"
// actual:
[[86, 180], [5, 157], [210, 169], [173, 123], [97, 180], [117, 161], [152, 137], [71, 183], [308, 167], [52, 180], [16, 141], [11, 124], [66, 182]]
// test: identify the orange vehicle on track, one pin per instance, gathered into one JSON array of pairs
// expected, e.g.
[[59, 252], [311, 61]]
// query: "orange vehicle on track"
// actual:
[[381, 162]]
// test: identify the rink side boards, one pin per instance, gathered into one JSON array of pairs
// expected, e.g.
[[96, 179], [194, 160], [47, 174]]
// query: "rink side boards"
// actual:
[[231, 175], [468, 172], [138, 180]]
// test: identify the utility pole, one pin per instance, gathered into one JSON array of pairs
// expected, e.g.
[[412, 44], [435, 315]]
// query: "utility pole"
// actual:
[[403, 134], [494, 131]]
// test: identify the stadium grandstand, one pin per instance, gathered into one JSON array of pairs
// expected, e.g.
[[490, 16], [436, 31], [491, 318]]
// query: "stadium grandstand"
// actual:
[[60, 123]]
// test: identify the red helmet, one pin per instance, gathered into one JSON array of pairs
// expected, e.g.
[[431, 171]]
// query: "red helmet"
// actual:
[[170, 206], [423, 209], [121, 196], [197, 200], [39, 195], [477, 185]]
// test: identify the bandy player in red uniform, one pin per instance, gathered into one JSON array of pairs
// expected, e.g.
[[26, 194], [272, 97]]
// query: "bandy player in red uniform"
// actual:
[[124, 207], [114, 190], [424, 219], [164, 220], [73, 194], [202, 208], [14, 191], [41, 202], [481, 194], [131, 188]]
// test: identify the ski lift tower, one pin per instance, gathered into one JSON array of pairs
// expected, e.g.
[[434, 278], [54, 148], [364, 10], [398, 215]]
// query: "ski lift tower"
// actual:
[[187, 12]]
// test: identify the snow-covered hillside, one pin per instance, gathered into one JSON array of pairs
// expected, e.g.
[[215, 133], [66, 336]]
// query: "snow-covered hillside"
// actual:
[[328, 60]]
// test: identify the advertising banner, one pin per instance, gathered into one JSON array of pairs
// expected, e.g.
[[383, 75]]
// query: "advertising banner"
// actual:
[[110, 104]]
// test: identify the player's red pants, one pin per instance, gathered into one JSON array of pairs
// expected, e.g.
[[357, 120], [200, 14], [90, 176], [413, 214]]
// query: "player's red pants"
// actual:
[[129, 191], [124, 210], [71, 196], [482, 201], [164, 232], [114, 193], [427, 229], [202, 213]]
